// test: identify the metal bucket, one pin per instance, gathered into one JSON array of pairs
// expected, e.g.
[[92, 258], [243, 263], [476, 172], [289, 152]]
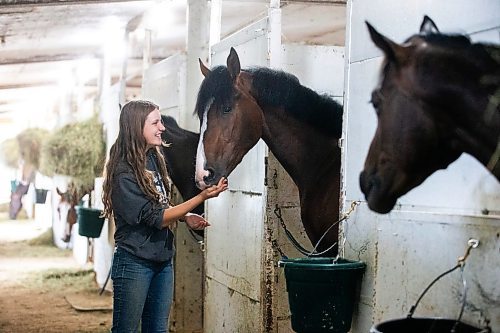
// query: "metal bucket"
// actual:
[[424, 325]]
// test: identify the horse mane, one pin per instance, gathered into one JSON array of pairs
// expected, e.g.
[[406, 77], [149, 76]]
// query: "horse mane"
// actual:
[[482, 55], [276, 88], [174, 130], [216, 85]]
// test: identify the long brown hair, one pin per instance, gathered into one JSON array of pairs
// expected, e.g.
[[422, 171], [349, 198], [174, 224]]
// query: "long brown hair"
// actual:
[[130, 147]]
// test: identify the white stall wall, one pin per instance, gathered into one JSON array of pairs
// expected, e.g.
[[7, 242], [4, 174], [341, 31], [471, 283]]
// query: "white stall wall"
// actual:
[[163, 84], [429, 227], [103, 246]]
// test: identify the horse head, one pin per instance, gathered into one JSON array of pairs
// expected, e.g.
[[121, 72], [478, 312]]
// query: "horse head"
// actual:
[[231, 121], [66, 207], [413, 138]]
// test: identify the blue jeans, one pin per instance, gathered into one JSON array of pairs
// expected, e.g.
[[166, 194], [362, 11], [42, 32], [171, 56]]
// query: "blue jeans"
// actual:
[[142, 291]]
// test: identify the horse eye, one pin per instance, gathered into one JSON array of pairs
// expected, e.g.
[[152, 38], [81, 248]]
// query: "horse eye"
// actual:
[[227, 109], [376, 100]]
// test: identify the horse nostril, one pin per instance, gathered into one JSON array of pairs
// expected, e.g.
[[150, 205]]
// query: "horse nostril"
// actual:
[[210, 176]]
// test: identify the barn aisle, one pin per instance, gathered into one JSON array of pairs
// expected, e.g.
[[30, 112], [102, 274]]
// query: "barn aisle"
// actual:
[[41, 285]]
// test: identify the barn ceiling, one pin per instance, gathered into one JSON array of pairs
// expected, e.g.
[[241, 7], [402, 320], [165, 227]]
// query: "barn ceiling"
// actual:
[[43, 43]]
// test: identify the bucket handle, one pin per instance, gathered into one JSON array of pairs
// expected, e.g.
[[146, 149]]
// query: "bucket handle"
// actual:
[[471, 244]]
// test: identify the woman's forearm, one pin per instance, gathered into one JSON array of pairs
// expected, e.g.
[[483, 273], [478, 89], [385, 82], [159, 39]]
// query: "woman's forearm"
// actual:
[[174, 213]]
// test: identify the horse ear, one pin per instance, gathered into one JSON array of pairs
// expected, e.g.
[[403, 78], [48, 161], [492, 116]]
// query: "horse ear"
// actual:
[[428, 26], [393, 51], [233, 64], [59, 191], [204, 69]]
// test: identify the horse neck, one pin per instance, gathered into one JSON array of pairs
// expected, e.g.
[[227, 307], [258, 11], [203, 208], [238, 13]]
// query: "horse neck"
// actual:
[[470, 106], [476, 123], [309, 156]]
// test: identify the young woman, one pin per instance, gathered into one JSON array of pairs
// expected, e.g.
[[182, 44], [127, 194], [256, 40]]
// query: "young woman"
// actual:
[[136, 194]]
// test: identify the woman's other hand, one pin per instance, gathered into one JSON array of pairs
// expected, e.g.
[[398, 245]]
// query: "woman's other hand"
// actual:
[[195, 221]]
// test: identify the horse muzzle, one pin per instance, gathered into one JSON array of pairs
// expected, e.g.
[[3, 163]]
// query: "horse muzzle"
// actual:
[[207, 178], [378, 199]]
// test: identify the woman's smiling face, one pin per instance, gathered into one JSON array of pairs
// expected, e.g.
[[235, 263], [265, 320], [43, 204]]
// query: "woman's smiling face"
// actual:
[[153, 127]]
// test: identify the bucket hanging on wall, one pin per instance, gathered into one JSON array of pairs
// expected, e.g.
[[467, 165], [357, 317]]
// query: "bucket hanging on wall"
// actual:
[[89, 222], [40, 195], [433, 325], [322, 293]]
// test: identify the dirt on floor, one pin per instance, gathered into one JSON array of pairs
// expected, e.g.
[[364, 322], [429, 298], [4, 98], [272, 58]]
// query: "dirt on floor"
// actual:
[[42, 289]]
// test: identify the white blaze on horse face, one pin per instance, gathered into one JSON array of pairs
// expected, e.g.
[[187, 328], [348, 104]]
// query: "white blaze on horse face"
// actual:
[[200, 153]]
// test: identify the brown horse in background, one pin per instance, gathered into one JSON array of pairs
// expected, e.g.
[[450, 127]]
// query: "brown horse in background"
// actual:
[[438, 98], [68, 201]]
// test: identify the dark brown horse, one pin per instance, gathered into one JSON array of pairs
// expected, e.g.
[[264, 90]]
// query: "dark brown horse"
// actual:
[[180, 158], [438, 98], [238, 107]]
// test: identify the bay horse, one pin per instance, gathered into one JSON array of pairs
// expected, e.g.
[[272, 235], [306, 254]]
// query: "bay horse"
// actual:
[[302, 129], [439, 97]]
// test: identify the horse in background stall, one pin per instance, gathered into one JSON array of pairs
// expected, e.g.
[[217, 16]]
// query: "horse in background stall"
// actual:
[[439, 97], [66, 207], [16, 196], [28, 172], [180, 158], [302, 129]]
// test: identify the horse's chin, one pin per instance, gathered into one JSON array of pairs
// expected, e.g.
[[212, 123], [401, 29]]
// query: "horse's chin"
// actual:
[[380, 204], [201, 185]]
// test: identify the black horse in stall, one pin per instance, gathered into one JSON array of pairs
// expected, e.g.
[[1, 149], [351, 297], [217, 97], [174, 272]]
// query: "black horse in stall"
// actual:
[[180, 156]]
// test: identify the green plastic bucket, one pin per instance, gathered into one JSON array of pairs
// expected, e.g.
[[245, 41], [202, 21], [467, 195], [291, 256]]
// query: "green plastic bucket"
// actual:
[[89, 222], [321, 293]]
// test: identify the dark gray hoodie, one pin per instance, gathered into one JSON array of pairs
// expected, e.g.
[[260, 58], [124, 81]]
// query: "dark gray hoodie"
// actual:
[[138, 219]]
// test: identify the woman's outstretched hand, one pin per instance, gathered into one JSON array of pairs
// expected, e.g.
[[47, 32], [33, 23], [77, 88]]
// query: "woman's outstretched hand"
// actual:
[[214, 190]]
